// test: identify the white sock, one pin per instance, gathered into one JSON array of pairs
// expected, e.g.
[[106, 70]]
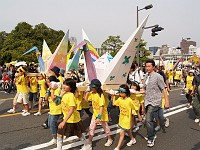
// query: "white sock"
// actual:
[[59, 143]]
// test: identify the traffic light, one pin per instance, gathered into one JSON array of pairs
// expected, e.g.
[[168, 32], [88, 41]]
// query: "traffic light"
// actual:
[[156, 29]]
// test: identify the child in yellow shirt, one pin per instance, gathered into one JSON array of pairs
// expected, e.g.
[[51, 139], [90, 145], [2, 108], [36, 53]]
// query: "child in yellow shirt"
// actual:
[[71, 124], [33, 90], [138, 100], [42, 90], [54, 107], [100, 113], [126, 106], [86, 107], [23, 90]]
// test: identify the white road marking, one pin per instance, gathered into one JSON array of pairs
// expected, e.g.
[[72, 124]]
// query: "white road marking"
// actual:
[[79, 143], [176, 107], [175, 112]]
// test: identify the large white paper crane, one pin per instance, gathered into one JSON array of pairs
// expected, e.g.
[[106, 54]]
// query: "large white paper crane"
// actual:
[[117, 70]]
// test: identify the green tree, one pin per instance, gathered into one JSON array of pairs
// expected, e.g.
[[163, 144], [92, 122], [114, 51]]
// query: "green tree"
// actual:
[[113, 43], [3, 36], [144, 53], [24, 37]]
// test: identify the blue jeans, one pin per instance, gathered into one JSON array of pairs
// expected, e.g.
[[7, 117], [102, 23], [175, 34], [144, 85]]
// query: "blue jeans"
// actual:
[[160, 114], [53, 124], [151, 112]]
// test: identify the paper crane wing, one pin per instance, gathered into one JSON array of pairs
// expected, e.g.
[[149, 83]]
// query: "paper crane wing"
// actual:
[[40, 60], [30, 50], [117, 70]]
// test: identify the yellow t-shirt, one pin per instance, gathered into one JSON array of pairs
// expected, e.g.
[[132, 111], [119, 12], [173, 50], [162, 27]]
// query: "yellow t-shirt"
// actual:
[[125, 117], [189, 80], [60, 78], [136, 101], [178, 75], [79, 100], [97, 102], [33, 85], [17, 84], [22, 84], [85, 104], [68, 100], [53, 107], [163, 100], [171, 75], [43, 88]]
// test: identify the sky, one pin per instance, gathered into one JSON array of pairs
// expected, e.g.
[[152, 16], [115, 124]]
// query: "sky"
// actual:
[[104, 18]]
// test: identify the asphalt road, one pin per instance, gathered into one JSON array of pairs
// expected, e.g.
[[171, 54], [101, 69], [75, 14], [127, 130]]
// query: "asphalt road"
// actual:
[[18, 132]]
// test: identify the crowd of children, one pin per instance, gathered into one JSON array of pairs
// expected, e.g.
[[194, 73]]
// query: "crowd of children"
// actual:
[[66, 104]]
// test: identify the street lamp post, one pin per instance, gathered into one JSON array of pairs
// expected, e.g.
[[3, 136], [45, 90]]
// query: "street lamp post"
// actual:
[[146, 7]]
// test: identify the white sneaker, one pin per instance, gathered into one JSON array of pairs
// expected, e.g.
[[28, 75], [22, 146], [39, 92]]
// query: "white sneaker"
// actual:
[[108, 143], [53, 141], [87, 147], [146, 138], [25, 114], [37, 114], [166, 122], [131, 142], [157, 128], [116, 148], [196, 120], [23, 110], [11, 111]]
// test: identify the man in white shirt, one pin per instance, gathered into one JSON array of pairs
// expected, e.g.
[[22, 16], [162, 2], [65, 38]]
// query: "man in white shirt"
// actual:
[[135, 74]]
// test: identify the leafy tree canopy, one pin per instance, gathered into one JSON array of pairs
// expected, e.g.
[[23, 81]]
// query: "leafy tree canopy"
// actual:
[[113, 44], [144, 53], [23, 37]]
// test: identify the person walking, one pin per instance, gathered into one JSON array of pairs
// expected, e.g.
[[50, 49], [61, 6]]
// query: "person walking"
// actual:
[[100, 113], [71, 123], [196, 100], [189, 87], [153, 87], [126, 106]]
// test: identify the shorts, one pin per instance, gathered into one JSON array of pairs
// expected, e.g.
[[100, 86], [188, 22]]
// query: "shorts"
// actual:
[[33, 96], [15, 98], [23, 98], [170, 80], [177, 80], [123, 128], [72, 129]]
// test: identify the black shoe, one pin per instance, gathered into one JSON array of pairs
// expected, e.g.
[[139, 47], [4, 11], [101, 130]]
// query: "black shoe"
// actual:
[[45, 126]]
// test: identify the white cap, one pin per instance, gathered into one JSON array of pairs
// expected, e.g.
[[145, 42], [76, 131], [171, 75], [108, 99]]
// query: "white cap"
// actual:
[[191, 71]]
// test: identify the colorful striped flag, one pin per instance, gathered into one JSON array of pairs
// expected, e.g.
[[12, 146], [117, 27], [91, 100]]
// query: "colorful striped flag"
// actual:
[[176, 64]]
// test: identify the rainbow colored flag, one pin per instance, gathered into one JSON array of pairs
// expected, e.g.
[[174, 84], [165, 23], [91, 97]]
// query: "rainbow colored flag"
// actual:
[[93, 52]]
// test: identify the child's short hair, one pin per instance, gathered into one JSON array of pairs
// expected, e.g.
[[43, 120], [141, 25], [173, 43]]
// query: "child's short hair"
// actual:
[[71, 83], [125, 89], [135, 83]]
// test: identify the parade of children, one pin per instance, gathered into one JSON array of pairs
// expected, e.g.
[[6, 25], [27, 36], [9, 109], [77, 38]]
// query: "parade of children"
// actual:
[[57, 96]]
